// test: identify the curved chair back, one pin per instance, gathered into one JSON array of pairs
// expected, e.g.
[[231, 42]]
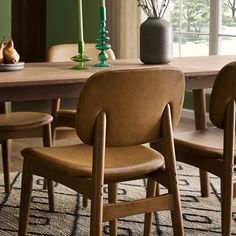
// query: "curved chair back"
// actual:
[[223, 91], [133, 101], [63, 52]]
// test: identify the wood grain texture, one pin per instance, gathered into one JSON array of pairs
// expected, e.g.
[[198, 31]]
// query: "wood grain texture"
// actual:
[[194, 68], [39, 81]]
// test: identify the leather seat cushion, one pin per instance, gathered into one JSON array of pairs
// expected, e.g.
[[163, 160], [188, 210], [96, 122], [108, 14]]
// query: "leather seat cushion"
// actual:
[[76, 160], [204, 143], [23, 120]]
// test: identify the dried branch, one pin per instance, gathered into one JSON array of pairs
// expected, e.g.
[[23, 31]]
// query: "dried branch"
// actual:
[[164, 6], [152, 8]]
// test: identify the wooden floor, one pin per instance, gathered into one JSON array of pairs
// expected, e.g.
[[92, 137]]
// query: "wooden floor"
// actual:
[[18, 145]]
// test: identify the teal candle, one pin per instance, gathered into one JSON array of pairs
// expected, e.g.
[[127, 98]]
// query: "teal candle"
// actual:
[[80, 21], [103, 3]]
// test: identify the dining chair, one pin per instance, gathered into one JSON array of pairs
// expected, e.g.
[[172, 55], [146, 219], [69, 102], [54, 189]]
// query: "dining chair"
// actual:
[[118, 111], [62, 53], [14, 125], [213, 149]]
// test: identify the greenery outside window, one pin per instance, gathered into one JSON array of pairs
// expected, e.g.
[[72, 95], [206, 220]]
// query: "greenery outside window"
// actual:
[[203, 27]]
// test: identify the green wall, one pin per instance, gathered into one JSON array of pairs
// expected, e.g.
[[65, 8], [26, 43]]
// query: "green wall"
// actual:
[[5, 18], [62, 21]]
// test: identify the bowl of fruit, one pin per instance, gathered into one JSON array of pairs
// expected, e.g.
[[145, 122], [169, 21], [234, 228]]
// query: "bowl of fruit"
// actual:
[[9, 57]]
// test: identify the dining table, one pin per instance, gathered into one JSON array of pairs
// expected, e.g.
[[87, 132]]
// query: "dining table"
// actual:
[[50, 80]]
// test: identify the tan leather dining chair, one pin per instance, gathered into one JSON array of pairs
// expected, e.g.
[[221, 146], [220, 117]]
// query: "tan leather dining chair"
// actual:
[[14, 125], [62, 53], [118, 111], [213, 149]]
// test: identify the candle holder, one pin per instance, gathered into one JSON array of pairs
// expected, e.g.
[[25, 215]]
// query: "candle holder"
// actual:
[[102, 38], [81, 58]]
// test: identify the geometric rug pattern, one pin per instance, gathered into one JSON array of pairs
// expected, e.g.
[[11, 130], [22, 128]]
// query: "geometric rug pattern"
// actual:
[[201, 216]]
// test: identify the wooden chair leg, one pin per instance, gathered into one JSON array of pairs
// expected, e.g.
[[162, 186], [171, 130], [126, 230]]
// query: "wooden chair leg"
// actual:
[[177, 223], [199, 103], [45, 185], [47, 142], [176, 214], [98, 176], [226, 204], [157, 189], [85, 202], [5, 164], [26, 190], [54, 132], [96, 212], [170, 163], [204, 183], [51, 195], [55, 107], [47, 137], [112, 198], [151, 190]]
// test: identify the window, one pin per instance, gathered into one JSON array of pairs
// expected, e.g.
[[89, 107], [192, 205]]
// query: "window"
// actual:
[[202, 27]]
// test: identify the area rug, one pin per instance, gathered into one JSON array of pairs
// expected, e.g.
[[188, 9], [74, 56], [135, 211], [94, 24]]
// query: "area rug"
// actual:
[[201, 216]]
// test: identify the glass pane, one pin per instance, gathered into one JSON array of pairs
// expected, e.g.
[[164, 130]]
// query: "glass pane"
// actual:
[[175, 14], [228, 45], [228, 17], [190, 16], [176, 45], [190, 45]]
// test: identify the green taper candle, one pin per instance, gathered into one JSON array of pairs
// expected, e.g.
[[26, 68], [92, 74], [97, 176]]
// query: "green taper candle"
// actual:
[[80, 21]]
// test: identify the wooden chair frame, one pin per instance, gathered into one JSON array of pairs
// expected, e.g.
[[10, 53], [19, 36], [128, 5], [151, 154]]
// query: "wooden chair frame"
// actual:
[[109, 142], [222, 167], [93, 188]]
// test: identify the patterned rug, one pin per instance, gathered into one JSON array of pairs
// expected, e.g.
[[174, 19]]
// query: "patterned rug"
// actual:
[[201, 215]]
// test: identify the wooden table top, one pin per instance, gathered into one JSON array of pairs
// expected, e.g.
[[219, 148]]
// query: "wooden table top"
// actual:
[[61, 73]]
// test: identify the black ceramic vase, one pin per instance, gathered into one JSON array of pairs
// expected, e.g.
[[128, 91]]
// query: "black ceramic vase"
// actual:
[[155, 41]]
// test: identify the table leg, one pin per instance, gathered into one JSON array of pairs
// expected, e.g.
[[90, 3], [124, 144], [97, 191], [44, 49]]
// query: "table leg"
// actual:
[[201, 123]]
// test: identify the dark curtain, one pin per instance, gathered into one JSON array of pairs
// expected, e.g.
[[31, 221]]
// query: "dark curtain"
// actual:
[[29, 29]]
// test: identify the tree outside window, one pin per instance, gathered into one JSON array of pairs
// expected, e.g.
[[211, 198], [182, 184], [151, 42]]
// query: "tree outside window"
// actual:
[[191, 21]]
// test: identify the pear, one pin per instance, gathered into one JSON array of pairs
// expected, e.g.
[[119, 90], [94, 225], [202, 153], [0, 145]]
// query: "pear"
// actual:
[[1, 52], [10, 54]]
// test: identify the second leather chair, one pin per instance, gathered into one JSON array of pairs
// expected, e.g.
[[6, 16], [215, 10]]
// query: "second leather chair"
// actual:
[[213, 149], [62, 53]]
